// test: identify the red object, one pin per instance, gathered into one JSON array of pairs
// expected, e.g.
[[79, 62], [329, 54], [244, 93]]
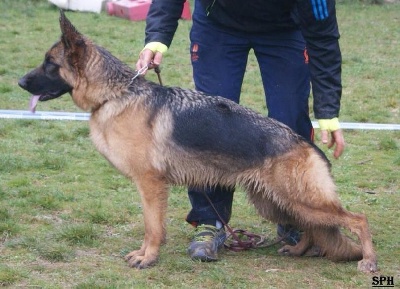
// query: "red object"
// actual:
[[136, 10], [186, 13]]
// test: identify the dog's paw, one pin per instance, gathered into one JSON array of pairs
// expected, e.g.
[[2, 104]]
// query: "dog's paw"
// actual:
[[136, 259], [134, 254], [286, 250], [367, 266]]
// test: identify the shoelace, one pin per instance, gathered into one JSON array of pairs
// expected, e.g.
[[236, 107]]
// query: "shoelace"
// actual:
[[206, 233]]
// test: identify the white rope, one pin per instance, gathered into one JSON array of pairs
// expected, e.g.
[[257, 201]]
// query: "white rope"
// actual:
[[365, 126], [43, 115], [61, 115]]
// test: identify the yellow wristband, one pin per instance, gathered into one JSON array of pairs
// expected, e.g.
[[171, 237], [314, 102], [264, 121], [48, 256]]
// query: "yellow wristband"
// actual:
[[329, 124], [156, 47]]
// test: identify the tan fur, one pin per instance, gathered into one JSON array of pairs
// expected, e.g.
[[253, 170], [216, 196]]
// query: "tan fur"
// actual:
[[294, 187]]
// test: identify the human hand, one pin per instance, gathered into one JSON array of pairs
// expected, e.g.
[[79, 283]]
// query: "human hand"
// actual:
[[331, 128], [151, 55]]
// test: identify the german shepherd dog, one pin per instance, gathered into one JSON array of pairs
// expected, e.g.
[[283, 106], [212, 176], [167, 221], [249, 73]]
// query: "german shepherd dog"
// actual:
[[159, 136]]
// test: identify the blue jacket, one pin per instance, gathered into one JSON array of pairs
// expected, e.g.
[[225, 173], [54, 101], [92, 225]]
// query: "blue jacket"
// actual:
[[315, 18]]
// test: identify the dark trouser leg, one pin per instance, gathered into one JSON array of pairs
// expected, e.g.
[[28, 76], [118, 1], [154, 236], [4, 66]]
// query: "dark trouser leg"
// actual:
[[219, 62], [284, 69]]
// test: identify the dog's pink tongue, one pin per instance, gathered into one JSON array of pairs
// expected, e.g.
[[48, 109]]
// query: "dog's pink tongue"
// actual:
[[33, 102]]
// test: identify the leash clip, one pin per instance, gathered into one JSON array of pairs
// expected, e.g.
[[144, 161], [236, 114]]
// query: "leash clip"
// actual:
[[141, 71], [144, 69]]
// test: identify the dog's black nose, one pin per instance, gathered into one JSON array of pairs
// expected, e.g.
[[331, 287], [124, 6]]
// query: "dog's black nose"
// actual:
[[22, 82]]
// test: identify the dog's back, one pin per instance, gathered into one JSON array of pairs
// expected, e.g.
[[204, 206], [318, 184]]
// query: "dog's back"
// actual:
[[213, 132]]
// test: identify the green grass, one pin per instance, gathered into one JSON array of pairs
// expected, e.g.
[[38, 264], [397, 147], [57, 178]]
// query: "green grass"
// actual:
[[67, 217]]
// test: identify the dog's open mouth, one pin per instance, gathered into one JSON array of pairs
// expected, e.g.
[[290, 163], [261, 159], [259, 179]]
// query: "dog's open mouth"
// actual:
[[39, 97], [35, 98], [33, 103]]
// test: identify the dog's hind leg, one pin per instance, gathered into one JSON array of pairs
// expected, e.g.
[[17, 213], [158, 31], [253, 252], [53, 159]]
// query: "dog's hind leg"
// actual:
[[319, 214], [358, 224], [272, 212], [299, 249], [301, 183], [325, 222], [154, 194], [337, 246]]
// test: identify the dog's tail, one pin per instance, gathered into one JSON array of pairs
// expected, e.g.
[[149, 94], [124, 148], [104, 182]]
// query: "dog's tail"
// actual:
[[335, 245]]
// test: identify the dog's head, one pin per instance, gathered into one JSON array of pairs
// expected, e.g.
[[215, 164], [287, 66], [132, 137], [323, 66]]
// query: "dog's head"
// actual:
[[61, 66]]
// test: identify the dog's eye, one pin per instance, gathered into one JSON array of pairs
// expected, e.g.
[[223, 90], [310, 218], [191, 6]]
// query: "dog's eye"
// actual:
[[50, 68]]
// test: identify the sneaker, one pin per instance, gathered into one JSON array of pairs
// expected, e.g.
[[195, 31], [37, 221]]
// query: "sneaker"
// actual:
[[291, 234], [206, 243]]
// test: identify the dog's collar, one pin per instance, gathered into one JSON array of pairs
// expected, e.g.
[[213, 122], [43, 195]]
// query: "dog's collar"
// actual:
[[96, 108], [138, 72]]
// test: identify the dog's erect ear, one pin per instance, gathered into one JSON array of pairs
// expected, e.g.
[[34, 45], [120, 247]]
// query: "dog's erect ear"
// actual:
[[72, 40], [70, 36]]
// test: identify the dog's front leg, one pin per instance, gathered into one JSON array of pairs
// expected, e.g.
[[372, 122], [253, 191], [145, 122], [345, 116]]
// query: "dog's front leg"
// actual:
[[154, 193]]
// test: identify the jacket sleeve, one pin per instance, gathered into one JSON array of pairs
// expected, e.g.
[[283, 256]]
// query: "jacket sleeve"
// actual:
[[317, 19], [162, 20]]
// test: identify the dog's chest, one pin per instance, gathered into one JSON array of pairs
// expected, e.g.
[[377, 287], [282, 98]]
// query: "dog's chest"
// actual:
[[125, 140], [98, 138]]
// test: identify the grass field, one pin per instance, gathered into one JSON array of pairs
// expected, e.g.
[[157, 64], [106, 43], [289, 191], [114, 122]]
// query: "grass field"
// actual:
[[67, 218]]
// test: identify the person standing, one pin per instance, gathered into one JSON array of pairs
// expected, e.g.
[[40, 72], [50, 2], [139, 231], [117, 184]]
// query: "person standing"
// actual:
[[296, 43]]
